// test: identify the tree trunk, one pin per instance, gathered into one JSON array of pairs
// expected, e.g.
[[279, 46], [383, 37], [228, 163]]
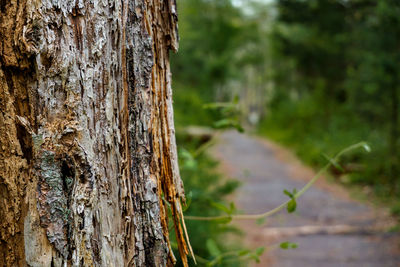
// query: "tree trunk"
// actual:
[[393, 137], [87, 145]]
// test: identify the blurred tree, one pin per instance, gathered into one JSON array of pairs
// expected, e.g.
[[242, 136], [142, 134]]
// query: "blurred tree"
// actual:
[[313, 35], [209, 34], [373, 75], [336, 64]]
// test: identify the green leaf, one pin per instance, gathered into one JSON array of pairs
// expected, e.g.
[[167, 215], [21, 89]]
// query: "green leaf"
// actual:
[[243, 252], [288, 193], [224, 220], [220, 206], [188, 160], [255, 257], [284, 245], [212, 248], [228, 123], [260, 251], [291, 206], [288, 245], [184, 153], [190, 164]]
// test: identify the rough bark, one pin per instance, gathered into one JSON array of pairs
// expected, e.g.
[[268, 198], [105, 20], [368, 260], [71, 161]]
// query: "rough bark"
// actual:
[[88, 161]]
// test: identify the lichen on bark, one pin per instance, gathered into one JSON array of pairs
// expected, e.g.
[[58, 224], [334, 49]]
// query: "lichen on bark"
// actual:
[[54, 187]]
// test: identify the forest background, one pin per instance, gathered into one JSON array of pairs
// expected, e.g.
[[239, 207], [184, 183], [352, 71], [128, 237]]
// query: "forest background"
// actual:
[[315, 76]]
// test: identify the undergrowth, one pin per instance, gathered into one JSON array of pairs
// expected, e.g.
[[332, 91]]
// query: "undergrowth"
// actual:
[[205, 186]]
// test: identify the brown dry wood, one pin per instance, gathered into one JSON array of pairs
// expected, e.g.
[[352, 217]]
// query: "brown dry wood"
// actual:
[[87, 139]]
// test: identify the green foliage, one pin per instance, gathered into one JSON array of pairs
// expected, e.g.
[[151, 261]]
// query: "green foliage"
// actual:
[[212, 248], [210, 32], [217, 41], [230, 114], [207, 191], [256, 255], [232, 256], [292, 204], [330, 70], [288, 245], [336, 82], [206, 197], [228, 123]]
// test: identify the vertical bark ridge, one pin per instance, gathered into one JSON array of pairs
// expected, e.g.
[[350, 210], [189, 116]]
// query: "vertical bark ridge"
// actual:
[[152, 34], [16, 116], [162, 15]]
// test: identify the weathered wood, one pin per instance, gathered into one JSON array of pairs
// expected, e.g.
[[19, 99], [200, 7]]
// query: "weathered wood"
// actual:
[[87, 137]]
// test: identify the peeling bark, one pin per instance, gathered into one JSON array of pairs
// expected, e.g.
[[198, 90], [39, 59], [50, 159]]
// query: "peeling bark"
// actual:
[[87, 143]]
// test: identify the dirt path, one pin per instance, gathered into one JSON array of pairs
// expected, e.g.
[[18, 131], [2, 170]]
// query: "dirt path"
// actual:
[[330, 228]]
